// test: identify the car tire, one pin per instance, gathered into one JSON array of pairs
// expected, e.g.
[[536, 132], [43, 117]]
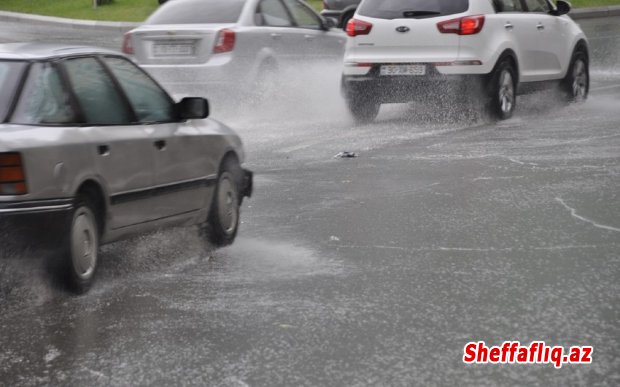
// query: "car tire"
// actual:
[[224, 213], [576, 84], [503, 90], [362, 107], [80, 253], [345, 19]]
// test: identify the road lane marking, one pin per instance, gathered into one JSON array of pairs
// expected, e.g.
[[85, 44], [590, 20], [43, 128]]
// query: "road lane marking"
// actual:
[[574, 214]]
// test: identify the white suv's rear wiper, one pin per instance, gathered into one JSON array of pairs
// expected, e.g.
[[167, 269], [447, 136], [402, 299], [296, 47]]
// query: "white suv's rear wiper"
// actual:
[[420, 13]]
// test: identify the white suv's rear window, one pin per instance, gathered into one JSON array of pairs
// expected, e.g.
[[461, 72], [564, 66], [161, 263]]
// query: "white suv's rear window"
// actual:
[[407, 9]]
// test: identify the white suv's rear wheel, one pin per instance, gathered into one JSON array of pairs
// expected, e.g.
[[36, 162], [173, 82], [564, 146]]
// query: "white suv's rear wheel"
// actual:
[[363, 108], [503, 90]]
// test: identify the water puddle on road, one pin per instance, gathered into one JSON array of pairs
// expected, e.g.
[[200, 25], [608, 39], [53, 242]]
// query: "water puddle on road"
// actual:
[[263, 260]]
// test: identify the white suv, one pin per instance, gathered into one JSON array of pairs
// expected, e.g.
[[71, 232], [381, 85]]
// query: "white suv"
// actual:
[[403, 50]]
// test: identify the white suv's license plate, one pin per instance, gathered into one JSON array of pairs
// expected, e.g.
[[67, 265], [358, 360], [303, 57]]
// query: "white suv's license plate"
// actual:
[[415, 69], [168, 49]]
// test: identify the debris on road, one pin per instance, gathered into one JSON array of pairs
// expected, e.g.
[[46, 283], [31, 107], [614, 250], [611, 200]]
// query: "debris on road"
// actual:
[[346, 155]]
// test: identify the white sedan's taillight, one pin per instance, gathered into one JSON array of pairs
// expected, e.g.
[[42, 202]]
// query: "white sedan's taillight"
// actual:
[[12, 175], [468, 25], [127, 46], [225, 41], [358, 27]]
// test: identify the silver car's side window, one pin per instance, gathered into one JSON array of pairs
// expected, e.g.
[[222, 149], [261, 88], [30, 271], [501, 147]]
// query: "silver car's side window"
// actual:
[[302, 15], [101, 102], [149, 101], [43, 99], [272, 13]]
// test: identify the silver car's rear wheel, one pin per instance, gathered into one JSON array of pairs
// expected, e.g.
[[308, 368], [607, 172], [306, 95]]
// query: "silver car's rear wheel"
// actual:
[[81, 252], [84, 243]]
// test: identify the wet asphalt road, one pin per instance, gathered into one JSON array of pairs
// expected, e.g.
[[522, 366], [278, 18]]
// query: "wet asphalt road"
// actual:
[[367, 271]]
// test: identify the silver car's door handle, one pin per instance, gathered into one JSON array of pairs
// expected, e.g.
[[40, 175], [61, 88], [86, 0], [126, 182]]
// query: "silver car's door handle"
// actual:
[[160, 144], [540, 26], [508, 26], [103, 150], [309, 37], [276, 36]]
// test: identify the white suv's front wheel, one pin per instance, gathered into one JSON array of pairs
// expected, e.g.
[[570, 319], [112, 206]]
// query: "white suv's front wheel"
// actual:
[[576, 84]]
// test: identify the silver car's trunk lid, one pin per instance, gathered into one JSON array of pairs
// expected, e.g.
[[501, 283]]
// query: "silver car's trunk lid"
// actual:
[[175, 44]]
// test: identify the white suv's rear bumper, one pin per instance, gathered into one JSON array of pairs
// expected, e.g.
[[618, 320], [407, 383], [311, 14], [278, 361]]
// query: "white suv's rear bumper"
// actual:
[[394, 89]]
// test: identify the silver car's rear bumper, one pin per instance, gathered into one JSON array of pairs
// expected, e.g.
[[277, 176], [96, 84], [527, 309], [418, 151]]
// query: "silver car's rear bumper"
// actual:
[[34, 223]]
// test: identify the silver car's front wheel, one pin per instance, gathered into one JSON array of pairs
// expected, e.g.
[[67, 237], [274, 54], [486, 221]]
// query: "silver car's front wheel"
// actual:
[[227, 204], [224, 213]]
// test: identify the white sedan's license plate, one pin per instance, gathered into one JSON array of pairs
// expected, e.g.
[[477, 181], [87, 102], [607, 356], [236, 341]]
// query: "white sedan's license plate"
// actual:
[[417, 69], [168, 49]]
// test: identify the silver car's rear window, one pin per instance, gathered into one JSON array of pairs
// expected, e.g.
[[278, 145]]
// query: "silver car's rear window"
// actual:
[[197, 12], [10, 74], [417, 9]]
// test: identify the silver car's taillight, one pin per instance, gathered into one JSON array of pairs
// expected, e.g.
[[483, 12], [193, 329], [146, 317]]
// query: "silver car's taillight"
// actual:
[[12, 174]]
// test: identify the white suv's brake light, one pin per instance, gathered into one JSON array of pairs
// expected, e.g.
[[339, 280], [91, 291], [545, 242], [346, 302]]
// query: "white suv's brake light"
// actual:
[[358, 27], [225, 41], [468, 25]]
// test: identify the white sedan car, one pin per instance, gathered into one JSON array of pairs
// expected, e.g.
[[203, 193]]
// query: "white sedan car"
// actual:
[[224, 44], [402, 50]]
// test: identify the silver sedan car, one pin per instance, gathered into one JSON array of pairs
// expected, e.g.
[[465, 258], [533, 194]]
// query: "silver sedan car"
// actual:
[[227, 44], [93, 150]]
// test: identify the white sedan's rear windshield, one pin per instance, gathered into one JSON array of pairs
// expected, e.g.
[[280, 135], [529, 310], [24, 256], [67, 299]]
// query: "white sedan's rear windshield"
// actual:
[[9, 77], [405, 9], [197, 12]]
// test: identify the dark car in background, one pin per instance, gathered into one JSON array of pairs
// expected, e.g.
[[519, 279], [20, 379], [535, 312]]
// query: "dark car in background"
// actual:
[[341, 10]]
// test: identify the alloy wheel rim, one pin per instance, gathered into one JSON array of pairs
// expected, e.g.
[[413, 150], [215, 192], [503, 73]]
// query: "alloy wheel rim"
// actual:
[[579, 80], [227, 208], [84, 242], [506, 92]]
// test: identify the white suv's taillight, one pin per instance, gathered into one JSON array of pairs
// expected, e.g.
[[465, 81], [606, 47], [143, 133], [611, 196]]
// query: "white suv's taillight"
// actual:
[[468, 25], [358, 27], [225, 41], [127, 46]]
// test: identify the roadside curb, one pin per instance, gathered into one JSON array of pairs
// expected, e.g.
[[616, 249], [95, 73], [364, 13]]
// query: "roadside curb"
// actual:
[[579, 13], [68, 23], [586, 13]]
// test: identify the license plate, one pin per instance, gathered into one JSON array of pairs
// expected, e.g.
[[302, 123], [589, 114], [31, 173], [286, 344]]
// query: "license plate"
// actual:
[[169, 49], [415, 69]]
